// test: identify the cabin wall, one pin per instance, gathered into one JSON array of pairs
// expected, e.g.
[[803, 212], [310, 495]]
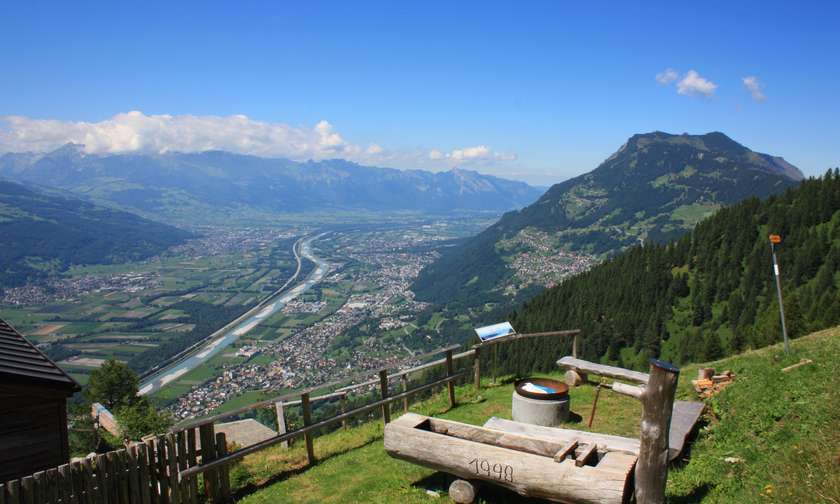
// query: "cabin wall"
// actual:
[[33, 430]]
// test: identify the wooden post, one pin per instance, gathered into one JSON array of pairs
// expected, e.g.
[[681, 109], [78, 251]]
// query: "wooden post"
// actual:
[[13, 491], [575, 345], [26, 490], [192, 461], [404, 382], [343, 400], [143, 466], [594, 405], [181, 449], [477, 369], [172, 463], [153, 485], [208, 453], [383, 390], [281, 421], [449, 372], [495, 362], [224, 472], [657, 403], [307, 419]]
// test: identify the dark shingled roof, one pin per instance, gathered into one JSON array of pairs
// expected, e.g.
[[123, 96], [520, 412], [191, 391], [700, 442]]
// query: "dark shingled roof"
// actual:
[[21, 362]]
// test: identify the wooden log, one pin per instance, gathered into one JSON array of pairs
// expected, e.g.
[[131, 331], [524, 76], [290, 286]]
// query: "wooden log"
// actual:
[[464, 491], [573, 378], [585, 455], [404, 383], [658, 404], [575, 345], [409, 438], [383, 391], [705, 373], [280, 413], [451, 384], [477, 370], [224, 471], [568, 449], [628, 390], [605, 442], [307, 436], [617, 373]]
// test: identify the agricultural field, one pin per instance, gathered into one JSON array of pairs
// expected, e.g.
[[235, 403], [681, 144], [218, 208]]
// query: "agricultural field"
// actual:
[[142, 312]]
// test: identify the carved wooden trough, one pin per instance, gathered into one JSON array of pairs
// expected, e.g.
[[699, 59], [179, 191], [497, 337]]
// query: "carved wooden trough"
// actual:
[[587, 469]]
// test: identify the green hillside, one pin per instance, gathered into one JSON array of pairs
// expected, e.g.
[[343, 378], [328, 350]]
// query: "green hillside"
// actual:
[[654, 188], [45, 234], [708, 294], [769, 437]]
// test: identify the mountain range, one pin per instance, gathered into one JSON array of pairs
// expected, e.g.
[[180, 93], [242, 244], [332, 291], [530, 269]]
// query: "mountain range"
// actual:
[[654, 188], [177, 184]]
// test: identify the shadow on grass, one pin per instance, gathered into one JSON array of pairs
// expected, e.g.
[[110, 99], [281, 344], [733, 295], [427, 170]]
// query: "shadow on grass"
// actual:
[[284, 475], [439, 482]]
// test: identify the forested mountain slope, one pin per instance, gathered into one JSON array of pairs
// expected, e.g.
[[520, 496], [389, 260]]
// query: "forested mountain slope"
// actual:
[[655, 187], [43, 233], [708, 294]]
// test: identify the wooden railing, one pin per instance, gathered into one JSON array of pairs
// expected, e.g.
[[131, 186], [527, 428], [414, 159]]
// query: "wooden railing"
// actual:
[[169, 469]]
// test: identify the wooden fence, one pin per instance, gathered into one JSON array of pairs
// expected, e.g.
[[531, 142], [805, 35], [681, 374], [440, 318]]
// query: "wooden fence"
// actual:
[[191, 463], [145, 473]]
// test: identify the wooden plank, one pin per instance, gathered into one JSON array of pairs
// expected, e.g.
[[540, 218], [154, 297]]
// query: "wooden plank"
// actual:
[[39, 486], [172, 464], [307, 420], [224, 471], [684, 419], [181, 452], [13, 492], [585, 455], [143, 474], [383, 392], [102, 480], [151, 453], [527, 474], [657, 407], [603, 370], [192, 461], [52, 485], [91, 495], [125, 493], [628, 390], [280, 413], [2, 493], [77, 473], [65, 483], [477, 369], [162, 479], [567, 450], [134, 489], [449, 372], [208, 454], [27, 490], [605, 442]]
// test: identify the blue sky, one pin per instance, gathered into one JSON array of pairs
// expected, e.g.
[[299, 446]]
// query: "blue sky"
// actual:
[[527, 90]]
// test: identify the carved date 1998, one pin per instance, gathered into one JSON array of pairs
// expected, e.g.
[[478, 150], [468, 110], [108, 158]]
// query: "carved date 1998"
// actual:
[[483, 467]]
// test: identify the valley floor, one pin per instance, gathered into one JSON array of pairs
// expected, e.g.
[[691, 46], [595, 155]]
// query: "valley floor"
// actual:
[[768, 437]]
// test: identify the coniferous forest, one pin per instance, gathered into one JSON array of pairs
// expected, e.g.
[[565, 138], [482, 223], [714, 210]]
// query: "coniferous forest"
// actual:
[[708, 294]]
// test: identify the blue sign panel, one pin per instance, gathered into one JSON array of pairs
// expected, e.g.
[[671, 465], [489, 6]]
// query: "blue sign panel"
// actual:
[[494, 331]]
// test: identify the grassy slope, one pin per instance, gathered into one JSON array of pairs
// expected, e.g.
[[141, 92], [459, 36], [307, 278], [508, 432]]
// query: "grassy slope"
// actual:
[[783, 428]]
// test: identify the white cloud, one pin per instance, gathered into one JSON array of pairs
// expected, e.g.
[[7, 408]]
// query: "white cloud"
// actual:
[[693, 84], [138, 132], [755, 87], [666, 77]]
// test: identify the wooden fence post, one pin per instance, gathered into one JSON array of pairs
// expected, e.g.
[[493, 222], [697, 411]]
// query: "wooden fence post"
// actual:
[[449, 372], [13, 492], [383, 388], [208, 453], [172, 463], [280, 412], [26, 490], [477, 369], [154, 493], [307, 419], [143, 477], [404, 382], [343, 400], [192, 461], [224, 472], [657, 406], [575, 345]]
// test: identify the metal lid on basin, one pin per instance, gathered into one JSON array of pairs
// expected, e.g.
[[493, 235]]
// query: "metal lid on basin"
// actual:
[[542, 389]]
